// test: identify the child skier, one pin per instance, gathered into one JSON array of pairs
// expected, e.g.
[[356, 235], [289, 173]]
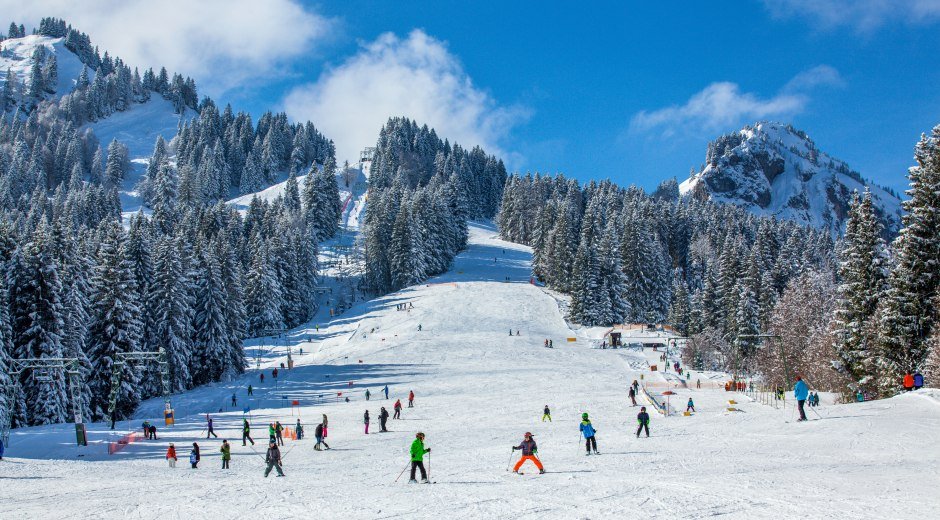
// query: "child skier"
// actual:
[[226, 453], [171, 455], [529, 452], [547, 414], [643, 419], [417, 458], [279, 433], [194, 455], [300, 430], [273, 459], [690, 406], [397, 409], [632, 395], [411, 399], [209, 427], [365, 420], [587, 429]]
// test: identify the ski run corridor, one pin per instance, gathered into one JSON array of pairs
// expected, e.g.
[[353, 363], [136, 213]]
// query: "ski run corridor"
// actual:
[[477, 391]]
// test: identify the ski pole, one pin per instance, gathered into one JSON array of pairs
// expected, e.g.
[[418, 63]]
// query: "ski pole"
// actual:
[[402, 471], [511, 454], [429, 466]]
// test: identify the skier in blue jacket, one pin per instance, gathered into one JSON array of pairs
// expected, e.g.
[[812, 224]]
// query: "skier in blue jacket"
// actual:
[[587, 429], [800, 392]]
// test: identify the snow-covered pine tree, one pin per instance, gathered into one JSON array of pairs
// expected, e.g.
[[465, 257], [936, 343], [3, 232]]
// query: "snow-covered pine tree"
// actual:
[[263, 299], [862, 271], [211, 344], [909, 316], [170, 302], [115, 324], [38, 328]]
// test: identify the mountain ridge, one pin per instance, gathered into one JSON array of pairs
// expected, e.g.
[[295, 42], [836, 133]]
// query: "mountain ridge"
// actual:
[[774, 169]]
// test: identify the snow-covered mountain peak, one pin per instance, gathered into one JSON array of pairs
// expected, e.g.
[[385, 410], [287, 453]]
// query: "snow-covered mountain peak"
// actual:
[[776, 170]]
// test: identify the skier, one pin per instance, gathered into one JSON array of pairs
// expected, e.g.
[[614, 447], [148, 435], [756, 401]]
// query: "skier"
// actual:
[[246, 432], [411, 399], [632, 395], [397, 409], [698, 383], [365, 420], [800, 392], [170, 455], [209, 427], [325, 426], [529, 452], [262, 378], [226, 453], [510, 332], [587, 429], [636, 386], [908, 382], [546, 414], [318, 433], [234, 401], [417, 458], [386, 391], [273, 459], [194, 455], [300, 430], [153, 432], [419, 327], [279, 433], [546, 342], [383, 417], [918, 381], [250, 390], [690, 406], [272, 434], [368, 394], [643, 419]]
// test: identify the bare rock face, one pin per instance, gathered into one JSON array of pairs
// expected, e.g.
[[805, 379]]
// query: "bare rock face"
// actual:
[[776, 170]]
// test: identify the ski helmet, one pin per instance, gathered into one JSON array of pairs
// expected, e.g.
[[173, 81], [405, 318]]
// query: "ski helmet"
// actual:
[[528, 434], [584, 415]]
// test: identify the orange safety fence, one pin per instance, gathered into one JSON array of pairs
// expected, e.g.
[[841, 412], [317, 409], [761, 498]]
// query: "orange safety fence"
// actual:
[[439, 284], [120, 444]]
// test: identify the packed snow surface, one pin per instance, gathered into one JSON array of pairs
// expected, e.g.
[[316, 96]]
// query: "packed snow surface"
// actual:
[[478, 389]]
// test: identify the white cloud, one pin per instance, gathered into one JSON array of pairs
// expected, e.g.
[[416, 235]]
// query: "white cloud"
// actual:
[[862, 15], [722, 105], [221, 43], [415, 77]]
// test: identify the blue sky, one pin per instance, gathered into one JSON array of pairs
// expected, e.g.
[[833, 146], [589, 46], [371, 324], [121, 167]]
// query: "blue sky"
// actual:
[[631, 91]]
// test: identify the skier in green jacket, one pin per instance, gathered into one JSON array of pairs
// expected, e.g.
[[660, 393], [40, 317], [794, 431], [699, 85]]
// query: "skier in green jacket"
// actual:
[[417, 458]]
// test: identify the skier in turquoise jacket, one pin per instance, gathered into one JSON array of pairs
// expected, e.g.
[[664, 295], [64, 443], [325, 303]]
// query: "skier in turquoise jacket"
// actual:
[[800, 392]]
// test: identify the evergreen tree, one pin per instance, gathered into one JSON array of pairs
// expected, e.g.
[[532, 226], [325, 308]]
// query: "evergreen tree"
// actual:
[[909, 317], [115, 326], [38, 328], [863, 273], [173, 311]]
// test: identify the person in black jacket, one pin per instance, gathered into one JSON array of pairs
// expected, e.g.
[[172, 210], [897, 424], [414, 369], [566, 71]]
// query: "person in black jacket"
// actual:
[[632, 395], [643, 419], [383, 417], [318, 433], [273, 458]]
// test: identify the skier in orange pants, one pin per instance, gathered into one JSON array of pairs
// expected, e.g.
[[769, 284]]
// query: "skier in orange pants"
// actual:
[[529, 452]]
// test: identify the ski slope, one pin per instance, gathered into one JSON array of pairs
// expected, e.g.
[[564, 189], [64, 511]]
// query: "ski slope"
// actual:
[[478, 390]]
